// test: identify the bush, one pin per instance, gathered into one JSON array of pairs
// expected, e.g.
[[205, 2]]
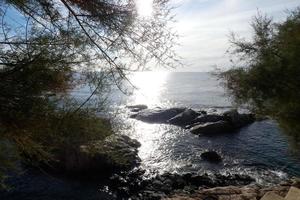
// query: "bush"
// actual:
[[267, 80]]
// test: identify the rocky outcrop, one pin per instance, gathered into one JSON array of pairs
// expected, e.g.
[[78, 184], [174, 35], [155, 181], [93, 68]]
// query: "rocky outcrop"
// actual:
[[158, 115], [137, 108], [238, 120], [161, 186], [212, 128], [198, 122], [184, 118], [116, 152], [249, 192], [211, 156]]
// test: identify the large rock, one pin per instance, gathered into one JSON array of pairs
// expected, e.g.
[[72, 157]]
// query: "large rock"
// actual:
[[208, 118], [184, 118], [211, 156], [116, 152], [212, 128], [248, 192], [238, 120], [158, 115], [137, 108]]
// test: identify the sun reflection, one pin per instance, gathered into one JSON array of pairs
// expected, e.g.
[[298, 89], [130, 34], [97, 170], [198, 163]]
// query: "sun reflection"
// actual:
[[149, 85], [144, 7]]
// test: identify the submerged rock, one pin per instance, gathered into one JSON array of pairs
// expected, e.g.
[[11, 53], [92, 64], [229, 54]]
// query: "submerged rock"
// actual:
[[211, 156], [158, 115], [212, 128], [184, 118]]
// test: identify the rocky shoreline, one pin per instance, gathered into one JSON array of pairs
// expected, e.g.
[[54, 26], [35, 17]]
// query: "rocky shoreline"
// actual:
[[115, 161]]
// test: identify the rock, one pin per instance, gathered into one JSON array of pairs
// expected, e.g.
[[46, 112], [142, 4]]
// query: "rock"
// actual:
[[212, 128], [211, 156], [238, 120], [249, 192], [137, 108], [116, 152], [158, 115], [208, 118], [184, 118]]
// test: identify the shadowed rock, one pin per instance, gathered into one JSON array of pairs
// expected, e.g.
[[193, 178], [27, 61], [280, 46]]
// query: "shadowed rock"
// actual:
[[211, 156], [238, 120], [208, 118], [212, 128], [116, 152], [184, 118], [158, 115], [137, 108]]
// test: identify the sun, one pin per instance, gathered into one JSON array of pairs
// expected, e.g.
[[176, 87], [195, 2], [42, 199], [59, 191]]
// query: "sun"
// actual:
[[144, 8]]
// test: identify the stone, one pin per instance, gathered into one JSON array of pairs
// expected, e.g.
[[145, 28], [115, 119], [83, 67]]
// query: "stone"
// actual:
[[116, 152], [208, 118], [272, 196], [211, 156], [138, 106], [238, 120], [184, 118], [293, 194], [158, 115], [212, 128]]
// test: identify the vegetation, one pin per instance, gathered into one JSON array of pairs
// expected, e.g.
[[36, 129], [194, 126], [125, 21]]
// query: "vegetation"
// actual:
[[50, 47], [266, 77]]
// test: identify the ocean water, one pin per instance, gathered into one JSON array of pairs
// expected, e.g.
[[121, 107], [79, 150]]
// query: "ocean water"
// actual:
[[261, 149]]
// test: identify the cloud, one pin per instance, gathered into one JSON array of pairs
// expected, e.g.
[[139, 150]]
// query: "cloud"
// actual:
[[204, 27]]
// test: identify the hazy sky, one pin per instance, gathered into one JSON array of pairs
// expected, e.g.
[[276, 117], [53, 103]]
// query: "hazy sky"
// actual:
[[204, 26]]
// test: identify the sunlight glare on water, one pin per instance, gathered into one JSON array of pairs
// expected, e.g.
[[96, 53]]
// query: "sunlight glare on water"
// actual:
[[150, 86]]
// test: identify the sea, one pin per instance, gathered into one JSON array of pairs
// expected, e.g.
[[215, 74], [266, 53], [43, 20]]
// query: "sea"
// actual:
[[261, 150]]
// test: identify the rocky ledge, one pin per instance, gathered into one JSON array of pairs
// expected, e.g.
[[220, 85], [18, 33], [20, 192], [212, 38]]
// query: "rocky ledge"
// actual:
[[113, 154], [134, 185], [249, 192], [198, 122]]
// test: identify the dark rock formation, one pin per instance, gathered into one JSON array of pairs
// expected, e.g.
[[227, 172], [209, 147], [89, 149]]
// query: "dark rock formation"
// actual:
[[116, 152], [212, 128], [207, 118], [158, 115], [161, 186], [198, 122], [211, 156], [184, 118], [137, 108], [238, 120]]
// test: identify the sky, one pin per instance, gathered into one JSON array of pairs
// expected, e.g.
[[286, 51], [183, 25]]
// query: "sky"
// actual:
[[204, 27]]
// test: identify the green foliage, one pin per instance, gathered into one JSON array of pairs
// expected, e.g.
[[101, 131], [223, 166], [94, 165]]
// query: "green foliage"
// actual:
[[42, 52], [268, 79]]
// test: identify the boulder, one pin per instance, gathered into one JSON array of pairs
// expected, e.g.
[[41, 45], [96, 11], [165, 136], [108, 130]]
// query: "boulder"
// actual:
[[116, 152], [211, 156], [184, 118], [158, 115], [212, 128], [208, 118], [137, 108], [238, 120]]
